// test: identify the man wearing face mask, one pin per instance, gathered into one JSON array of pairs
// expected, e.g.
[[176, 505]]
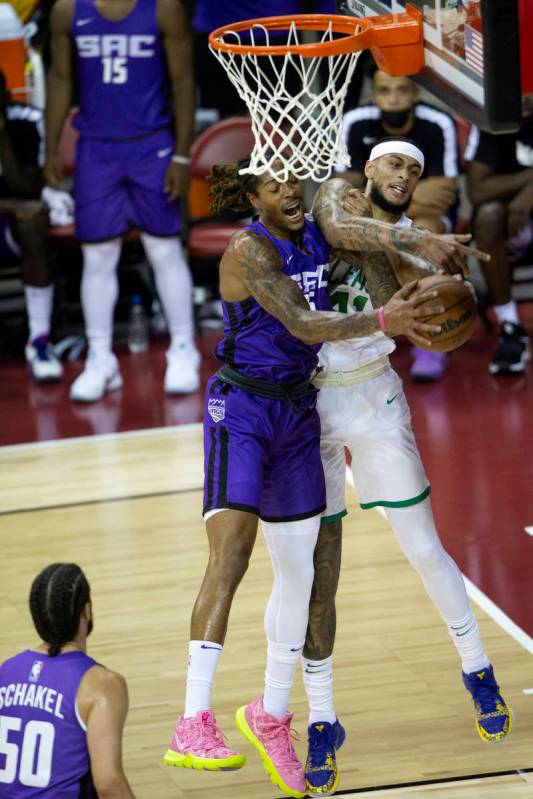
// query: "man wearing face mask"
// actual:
[[395, 111], [500, 185]]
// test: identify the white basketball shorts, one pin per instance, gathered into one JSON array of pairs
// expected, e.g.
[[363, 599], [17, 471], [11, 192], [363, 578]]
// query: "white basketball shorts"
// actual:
[[372, 419]]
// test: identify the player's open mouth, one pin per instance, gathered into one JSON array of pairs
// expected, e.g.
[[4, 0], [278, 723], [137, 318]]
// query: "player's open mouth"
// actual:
[[294, 210], [398, 191]]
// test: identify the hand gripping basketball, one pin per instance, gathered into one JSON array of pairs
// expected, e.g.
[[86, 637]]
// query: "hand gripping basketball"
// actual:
[[403, 314]]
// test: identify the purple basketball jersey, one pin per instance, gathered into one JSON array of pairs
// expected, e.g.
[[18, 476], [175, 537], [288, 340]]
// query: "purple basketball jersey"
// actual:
[[257, 344], [44, 745], [123, 85]]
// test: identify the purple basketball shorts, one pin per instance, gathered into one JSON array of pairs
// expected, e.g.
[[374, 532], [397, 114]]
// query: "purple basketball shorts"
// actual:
[[118, 185], [261, 456]]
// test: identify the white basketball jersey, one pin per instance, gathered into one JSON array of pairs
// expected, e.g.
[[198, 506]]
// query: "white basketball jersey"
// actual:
[[350, 295]]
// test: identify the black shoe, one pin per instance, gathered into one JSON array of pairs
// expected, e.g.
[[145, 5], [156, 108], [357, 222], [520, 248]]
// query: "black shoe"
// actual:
[[512, 351]]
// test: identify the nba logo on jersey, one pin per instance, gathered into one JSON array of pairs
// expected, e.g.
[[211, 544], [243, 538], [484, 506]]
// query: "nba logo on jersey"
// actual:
[[216, 408], [35, 672]]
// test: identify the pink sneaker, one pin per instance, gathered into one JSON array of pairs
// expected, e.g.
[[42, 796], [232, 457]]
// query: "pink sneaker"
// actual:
[[272, 739], [198, 743]]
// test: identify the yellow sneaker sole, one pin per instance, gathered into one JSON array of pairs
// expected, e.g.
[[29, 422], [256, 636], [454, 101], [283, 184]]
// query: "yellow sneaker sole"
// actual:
[[245, 729], [500, 739], [312, 790], [232, 763]]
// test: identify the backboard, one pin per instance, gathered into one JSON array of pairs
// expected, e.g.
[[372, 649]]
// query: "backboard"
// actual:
[[471, 52]]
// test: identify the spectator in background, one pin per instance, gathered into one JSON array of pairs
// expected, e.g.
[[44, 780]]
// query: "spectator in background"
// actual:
[[133, 63], [500, 185], [62, 712], [24, 224], [395, 111]]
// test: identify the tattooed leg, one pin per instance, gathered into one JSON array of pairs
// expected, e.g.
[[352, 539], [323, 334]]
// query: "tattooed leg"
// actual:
[[320, 635]]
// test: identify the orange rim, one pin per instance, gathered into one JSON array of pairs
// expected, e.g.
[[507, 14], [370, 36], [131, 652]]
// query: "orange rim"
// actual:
[[351, 26], [361, 33], [395, 40]]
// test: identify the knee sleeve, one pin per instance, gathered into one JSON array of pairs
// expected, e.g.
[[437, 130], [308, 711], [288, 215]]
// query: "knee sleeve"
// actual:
[[99, 290], [291, 546], [174, 284], [415, 530]]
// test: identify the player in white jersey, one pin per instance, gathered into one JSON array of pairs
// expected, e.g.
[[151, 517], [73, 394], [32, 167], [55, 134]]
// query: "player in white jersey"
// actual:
[[362, 406]]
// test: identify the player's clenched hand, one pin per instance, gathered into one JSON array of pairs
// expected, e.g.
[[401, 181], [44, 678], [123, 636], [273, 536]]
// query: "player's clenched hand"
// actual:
[[355, 202], [448, 252], [176, 181], [53, 173], [404, 310]]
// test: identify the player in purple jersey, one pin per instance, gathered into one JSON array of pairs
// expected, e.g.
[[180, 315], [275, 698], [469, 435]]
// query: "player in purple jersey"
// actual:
[[132, 59], [262, 442], [61, 713]]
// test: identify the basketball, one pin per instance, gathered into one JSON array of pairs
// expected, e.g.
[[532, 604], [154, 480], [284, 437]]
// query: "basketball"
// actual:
[[460, 313]]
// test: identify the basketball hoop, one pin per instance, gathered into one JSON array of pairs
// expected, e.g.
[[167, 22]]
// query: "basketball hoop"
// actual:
[[300, 132]]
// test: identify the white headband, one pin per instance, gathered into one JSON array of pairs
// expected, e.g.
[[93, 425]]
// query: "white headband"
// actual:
[[399, 147]]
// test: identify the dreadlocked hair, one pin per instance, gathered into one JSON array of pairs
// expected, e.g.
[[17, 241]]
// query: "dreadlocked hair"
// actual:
[[57, 597], [229, 190]]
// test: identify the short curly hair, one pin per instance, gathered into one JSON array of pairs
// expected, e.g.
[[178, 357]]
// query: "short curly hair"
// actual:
[[229, 190]]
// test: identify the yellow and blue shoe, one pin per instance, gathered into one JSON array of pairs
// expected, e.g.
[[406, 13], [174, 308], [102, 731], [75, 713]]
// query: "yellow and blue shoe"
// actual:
[[198, 743], [494, 720], [321, 772]]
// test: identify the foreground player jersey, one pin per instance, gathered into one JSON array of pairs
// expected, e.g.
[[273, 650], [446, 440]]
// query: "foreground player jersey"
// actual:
[[349, 294], [43, 745], [256, 343], [121, 67]]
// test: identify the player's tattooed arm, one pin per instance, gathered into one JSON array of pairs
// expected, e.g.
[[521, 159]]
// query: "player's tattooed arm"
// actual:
[[360, 233], [380, 276], [252, 266], [320, 635], [258, 266]]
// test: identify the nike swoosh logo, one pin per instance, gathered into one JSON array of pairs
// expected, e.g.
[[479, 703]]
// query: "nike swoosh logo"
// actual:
[[389, 401], [298, 649], [218, 648], [81, 22], [162, 153]]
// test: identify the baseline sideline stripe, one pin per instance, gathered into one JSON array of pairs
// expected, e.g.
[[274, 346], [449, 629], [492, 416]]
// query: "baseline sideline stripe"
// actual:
[[481, 599], [97, 437]]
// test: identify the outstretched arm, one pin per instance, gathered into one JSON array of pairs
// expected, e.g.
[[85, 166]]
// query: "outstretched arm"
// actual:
[[252, 266], [344, 230]]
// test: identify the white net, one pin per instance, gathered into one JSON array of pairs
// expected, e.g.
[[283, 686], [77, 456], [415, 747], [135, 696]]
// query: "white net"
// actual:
[[295, 103]]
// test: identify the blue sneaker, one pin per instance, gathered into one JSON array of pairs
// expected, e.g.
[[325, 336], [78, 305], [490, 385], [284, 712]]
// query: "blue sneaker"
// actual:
[[494, 720], [321, 773]]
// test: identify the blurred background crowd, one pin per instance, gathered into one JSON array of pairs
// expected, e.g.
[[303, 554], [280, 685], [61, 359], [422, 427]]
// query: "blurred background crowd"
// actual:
[[111, 115]]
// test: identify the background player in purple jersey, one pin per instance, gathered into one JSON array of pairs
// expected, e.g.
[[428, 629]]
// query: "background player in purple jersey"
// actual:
[[261, 444], [61, 713], [134, 79]]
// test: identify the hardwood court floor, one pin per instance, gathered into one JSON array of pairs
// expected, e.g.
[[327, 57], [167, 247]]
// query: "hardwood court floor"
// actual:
[[127, 508]]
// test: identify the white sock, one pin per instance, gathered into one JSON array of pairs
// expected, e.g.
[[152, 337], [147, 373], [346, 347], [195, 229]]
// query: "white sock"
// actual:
[[466, 637], [318, 683], [282, 660], [99, 292], [203, 661], [507, 313], [39, 301], [174, 286]]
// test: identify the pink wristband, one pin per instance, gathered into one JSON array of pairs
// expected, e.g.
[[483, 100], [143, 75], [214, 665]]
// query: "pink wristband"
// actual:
[[381, 318]]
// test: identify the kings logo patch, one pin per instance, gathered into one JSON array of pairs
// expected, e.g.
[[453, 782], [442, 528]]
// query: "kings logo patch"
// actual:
[[216, 408]]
